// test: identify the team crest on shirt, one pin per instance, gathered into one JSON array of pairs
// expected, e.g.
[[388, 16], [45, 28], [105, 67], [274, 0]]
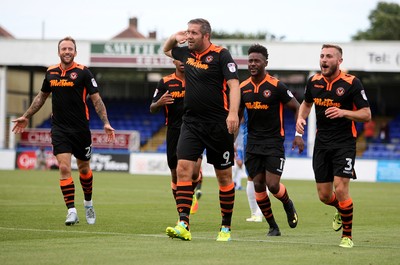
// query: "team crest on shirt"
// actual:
[[209, 59], [340, 91], [73, 76], [267, 93], [232, 67]]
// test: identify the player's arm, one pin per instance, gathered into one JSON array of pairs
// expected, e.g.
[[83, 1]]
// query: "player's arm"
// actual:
[[165, 99], [232, 120], [304, 111], [298, 141], [155, 107], [240, 115], [37, 103], [360, 115], [173, 40], [294, 105], [102, 113]]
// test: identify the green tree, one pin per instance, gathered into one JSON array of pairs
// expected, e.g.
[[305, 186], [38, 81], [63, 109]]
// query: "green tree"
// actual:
[[385, 23]]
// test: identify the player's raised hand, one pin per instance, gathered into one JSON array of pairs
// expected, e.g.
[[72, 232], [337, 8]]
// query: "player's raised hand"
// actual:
[[181, 36]]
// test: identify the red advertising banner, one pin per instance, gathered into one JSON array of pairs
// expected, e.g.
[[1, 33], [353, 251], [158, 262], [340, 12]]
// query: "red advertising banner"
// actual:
[[27, 160], [129, 140]]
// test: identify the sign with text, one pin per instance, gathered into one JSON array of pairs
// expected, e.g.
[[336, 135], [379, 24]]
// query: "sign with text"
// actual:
[[129, 140], [373, 56], [99, 162], [29, 160], [388, 171]]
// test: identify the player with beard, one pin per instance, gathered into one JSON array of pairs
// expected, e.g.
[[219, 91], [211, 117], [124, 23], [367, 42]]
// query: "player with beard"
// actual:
[[264, 98], [210, 119], [340, 101], [70, 84]]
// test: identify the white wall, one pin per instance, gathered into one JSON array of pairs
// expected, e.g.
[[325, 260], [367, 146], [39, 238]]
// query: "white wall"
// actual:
[[7, 159]]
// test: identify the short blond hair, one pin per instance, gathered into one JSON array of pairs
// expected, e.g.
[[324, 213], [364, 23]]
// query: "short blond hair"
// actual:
[[337, 47]]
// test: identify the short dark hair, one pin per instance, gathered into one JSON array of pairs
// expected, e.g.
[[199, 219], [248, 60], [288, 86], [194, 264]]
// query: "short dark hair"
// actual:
[[205, 26], [258, 48], [68, 38], [337, 47]]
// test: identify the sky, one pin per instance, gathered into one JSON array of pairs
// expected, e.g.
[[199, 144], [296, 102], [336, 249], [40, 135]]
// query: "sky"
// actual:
[[294, 20]]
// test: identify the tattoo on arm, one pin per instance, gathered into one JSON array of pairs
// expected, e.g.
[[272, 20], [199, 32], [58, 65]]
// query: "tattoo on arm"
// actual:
[[101, 110], [37, 103]]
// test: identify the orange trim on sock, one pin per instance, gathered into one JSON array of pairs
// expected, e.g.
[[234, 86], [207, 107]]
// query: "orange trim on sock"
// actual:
[[173, 186], [87, 175], [184, 183], [281, 191], [346, 203], [261, 195], [332, 198], [227, 188], [66, 182]]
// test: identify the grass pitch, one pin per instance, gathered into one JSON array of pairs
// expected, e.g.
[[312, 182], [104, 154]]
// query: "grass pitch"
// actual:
[[133, 212]]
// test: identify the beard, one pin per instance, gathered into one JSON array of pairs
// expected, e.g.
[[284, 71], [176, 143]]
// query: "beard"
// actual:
[[191, 46], [328, 72], [194, 46], [67, 60]]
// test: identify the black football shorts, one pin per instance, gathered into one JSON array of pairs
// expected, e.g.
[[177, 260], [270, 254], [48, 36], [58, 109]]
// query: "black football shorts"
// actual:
[[328, 163], [77, 143], [213, 137], [262, 158]]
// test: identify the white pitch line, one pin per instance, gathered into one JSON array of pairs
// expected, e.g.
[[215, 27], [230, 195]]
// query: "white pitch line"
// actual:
[[196, 238]]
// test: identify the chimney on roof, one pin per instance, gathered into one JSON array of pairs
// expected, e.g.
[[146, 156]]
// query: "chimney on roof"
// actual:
[[133, 22], [153, 35]]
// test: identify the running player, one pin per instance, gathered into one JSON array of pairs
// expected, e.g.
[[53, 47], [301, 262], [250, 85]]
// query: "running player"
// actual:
[[264, 98], [340, 101]]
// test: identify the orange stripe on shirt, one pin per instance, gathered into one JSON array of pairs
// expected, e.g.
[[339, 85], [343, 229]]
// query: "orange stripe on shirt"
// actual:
[[353, 125], [225, 96], [281, 119], [84, 94]]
